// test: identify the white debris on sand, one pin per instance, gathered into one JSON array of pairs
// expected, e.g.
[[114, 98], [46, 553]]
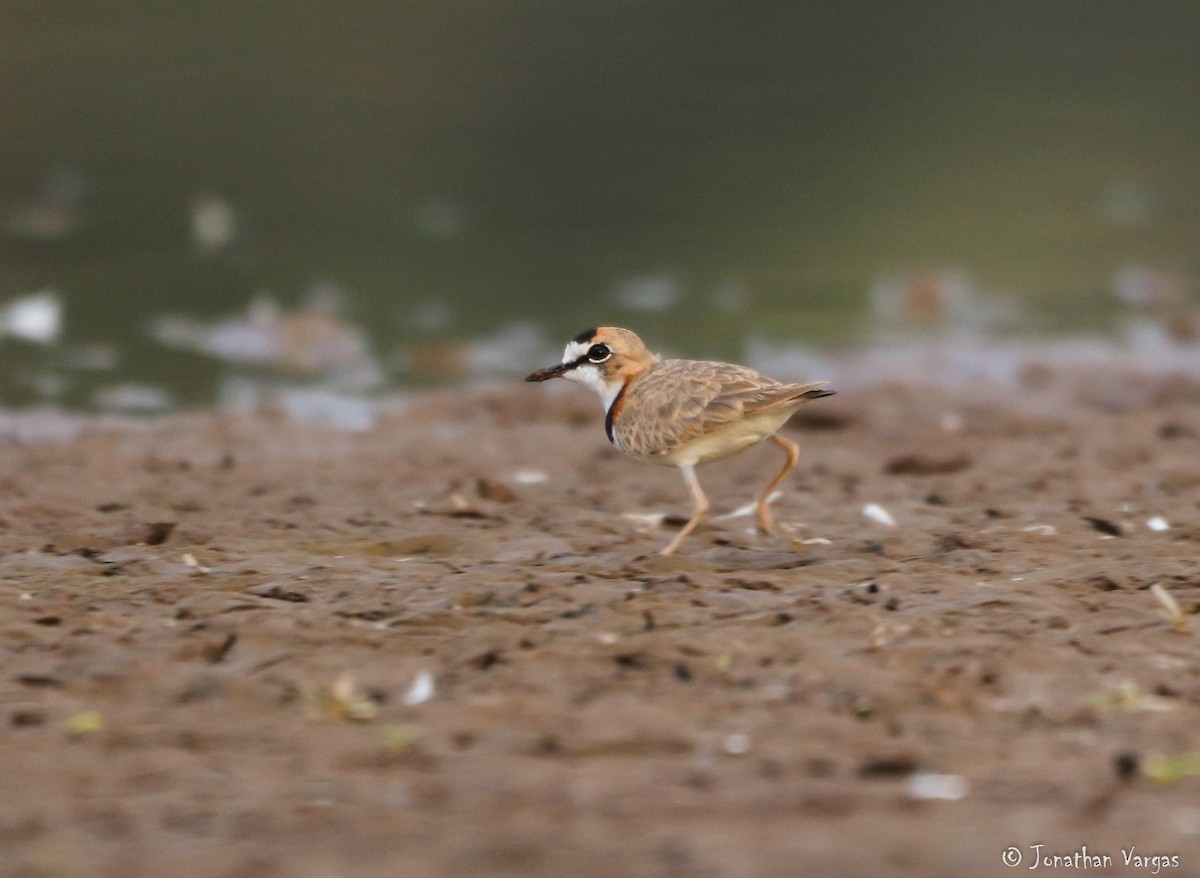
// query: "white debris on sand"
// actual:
[[530, 476], [1045, 530], [748, 509], [925, 785], [422, 690], [878, 514]]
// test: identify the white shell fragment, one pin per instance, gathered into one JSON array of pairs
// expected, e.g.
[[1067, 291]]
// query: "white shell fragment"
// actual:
[[1046, 530], [646, 520], [926, 785], [529, 476], [748, 509], [878, 514], [421, 690], [1158, 523], [190, 561]]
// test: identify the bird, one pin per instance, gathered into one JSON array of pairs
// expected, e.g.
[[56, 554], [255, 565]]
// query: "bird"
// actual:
[[683, 413]]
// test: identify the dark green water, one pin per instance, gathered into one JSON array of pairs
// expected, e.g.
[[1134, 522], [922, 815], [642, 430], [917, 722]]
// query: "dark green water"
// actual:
[[522, 160]]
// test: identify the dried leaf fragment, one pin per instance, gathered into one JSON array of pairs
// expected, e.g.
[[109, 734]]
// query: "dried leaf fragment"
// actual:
[[344, 700], [1170, 608]]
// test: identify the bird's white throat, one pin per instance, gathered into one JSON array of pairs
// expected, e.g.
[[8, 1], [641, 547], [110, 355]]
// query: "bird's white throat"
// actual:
[[591, 378]]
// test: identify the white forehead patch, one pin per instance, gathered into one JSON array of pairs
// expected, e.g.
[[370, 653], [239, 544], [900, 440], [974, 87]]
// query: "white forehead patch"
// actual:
[[575, 350]]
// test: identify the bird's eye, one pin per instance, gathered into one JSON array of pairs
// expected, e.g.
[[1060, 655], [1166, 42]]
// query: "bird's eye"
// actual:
[[598, 353]]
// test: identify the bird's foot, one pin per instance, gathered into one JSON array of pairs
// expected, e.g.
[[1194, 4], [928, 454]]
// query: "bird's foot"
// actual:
[[762, 516]]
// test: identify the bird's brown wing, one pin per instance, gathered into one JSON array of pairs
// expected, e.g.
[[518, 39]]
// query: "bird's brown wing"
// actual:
[[681, 400]]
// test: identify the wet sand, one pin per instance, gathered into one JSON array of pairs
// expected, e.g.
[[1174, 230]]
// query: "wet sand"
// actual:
[[218, 634]]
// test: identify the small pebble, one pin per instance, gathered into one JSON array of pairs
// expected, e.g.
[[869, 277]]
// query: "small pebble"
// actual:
[[529, 476], [736, 744]]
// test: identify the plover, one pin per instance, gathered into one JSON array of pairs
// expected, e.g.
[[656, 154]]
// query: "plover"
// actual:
[[682, 412]]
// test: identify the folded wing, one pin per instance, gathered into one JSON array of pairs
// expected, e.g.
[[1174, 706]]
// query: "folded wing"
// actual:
[[693, 399]]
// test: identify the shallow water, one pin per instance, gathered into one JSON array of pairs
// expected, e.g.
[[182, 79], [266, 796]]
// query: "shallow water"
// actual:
[[466, 185]]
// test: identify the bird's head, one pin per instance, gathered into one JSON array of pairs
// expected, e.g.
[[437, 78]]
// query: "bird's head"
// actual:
[[603, 359]]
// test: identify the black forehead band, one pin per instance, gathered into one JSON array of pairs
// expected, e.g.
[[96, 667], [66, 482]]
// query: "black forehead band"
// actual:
[[582, 360], [585, 336]]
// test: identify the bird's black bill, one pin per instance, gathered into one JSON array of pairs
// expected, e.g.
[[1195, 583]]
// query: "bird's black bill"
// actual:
[[560, 369], [555, 371]]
